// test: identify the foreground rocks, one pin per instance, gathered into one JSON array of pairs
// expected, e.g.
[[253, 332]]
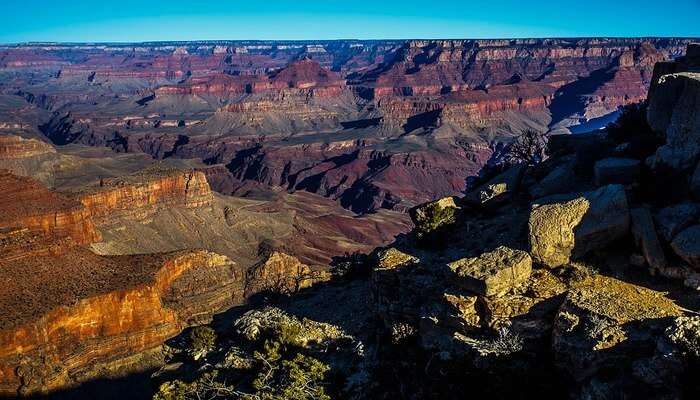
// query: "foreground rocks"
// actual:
[[562, 230]]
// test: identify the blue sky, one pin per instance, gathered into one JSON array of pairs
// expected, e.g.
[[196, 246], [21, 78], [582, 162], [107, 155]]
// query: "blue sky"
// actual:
[[145, 20]]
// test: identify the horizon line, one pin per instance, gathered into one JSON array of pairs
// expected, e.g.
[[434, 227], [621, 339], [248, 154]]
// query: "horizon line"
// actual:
[[144, 42]]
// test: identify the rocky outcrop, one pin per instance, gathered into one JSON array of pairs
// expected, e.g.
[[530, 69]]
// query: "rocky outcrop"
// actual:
[[672, 112], [28, 208], [107, 316], [145, 190], [279, 273], [562, 230], [494, 273], [17, 147]]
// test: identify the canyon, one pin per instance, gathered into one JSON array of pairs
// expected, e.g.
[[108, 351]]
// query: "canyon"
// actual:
[[370, 124], [146, 188]]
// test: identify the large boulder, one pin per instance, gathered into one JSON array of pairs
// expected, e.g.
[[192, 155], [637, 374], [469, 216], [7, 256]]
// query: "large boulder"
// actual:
[[670, 221], [500, 188], [616, 170], [559, 180], [687, 245], [606, 323], [562, 227], [434, 216], [673, 106], [493, 273], [646, 238]]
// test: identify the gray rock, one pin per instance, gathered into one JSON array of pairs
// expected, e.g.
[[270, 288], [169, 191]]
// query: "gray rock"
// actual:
[[646, 238], [695, 183], [673, 106], [560, 180], [671, 220], [562, 227], [499, 188], [493, 273], [617, 170], [687, 245]]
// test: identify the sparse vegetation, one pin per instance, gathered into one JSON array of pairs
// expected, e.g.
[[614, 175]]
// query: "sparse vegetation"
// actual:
[[202, 339], [528, 147], [280, 368], [507, 342]]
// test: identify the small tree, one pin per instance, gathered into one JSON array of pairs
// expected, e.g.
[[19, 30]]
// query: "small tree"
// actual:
[[528, 147]]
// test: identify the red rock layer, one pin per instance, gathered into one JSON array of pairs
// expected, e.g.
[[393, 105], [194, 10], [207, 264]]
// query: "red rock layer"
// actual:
[[27, 205]]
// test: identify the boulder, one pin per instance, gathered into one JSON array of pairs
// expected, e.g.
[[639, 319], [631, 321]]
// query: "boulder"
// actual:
[[499, 188], [687, 245], [606, 323], [672, 111], [560, 180], [672, 220], [562, 227], [616, 170], [392, 258], [493, 273], [695, 183], [568, 143], [646, 238], [433, 216]]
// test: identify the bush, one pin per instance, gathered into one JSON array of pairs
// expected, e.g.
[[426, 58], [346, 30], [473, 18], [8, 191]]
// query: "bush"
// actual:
[[202, 339], [528, 147]]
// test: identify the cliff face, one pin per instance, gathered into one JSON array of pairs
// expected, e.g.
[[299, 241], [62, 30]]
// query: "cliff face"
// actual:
[[673, 100], [29, 208], [141, 192], [444, 100], [70, 315], [108, 324], [16, 147]]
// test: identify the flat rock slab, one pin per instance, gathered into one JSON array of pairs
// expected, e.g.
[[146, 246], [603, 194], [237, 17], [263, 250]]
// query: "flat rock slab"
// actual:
[[687, 246], [493, 273], [617, 170], [562, 227]]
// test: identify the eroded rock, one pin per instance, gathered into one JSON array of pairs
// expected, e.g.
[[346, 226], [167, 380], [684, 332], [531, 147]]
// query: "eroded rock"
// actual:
[[393, 258], [434, 216], [562, 227], [605, 323], [493, 273], [672, 110], [670, 221], [687, 245], [646, 238]]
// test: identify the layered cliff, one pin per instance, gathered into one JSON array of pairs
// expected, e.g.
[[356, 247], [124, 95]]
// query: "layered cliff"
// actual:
[[104, 316], [29, 208], [143, 191]]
